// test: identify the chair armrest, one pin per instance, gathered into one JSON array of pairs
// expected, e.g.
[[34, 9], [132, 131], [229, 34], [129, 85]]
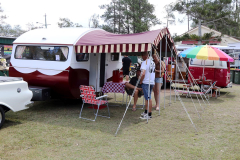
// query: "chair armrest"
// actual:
[[101, 96]]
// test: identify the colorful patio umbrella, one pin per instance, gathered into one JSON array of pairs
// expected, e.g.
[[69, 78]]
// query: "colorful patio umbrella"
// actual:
[[206, 52]]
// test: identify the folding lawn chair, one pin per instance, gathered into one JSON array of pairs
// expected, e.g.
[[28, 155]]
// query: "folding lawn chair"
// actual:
[[203, 92], [88, 96]]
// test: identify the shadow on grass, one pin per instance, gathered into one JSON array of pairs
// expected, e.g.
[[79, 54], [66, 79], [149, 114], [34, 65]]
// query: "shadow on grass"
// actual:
[[227, 95], [9, 123], [66, 114]]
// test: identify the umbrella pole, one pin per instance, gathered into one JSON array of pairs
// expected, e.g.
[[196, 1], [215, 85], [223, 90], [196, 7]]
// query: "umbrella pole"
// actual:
[[203, 75]]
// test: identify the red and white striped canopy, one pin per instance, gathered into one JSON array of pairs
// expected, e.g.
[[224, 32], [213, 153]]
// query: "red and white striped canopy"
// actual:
[[100, 41]]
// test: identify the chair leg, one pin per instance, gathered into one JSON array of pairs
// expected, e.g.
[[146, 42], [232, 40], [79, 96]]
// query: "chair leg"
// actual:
[[96, 113], [108, 111], [81, 111], [126, 100]]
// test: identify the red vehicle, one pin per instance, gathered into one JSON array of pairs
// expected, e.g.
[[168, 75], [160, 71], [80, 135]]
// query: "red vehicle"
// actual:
[[218, 71]]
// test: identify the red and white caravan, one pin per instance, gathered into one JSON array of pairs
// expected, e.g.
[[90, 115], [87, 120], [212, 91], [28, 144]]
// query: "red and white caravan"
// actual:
[[47, 58], [65, 58]]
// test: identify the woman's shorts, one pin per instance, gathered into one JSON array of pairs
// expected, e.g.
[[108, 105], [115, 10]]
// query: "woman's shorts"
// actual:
[[145, 91], [158, 80]]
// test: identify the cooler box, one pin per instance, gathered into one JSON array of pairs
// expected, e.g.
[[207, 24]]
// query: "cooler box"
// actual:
[[117, 76]]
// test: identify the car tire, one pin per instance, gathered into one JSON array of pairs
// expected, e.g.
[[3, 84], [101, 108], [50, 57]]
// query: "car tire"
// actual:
[[2, 116]]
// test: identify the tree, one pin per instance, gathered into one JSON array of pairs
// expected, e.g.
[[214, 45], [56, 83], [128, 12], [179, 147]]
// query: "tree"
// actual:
[[2, 17], [7, 30], [193, 37], [66, 22], [129, 16], [94, 19], [169, 13], [31, 26], [217, 14]]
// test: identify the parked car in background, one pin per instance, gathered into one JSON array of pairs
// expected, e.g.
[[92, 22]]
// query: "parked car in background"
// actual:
[[14, 95]]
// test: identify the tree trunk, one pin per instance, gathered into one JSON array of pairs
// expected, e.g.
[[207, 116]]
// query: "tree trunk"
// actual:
[[119, 17], [114, 17]]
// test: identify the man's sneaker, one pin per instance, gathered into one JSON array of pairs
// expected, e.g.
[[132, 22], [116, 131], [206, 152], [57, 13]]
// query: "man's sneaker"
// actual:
[[142, 114], [146, 117]]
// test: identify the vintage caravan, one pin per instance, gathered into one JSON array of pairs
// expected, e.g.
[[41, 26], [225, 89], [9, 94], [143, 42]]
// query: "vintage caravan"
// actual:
[[48, 61], [213, 70]]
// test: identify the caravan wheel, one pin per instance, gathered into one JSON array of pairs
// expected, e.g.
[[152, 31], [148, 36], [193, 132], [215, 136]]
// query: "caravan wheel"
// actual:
[[2, 116]]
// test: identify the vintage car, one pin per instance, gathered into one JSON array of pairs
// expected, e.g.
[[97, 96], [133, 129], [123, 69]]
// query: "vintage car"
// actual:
[[14, 95]]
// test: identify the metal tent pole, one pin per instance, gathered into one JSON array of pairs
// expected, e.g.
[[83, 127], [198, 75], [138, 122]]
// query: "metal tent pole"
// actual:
[[128, 104], [149, 81], [160, 76], [171, 74], [188, 92], [165, 75]]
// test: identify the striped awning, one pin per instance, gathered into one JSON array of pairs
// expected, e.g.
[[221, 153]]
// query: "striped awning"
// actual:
[[100, 41]]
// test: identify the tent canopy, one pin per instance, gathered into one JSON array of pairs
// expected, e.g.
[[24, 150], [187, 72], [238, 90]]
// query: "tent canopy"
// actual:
[[100, 41]]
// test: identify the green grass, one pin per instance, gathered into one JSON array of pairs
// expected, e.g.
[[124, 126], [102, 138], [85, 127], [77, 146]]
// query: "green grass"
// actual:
[[52, 130]]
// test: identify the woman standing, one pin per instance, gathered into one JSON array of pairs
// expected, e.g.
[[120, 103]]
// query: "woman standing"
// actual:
[[158, 79]]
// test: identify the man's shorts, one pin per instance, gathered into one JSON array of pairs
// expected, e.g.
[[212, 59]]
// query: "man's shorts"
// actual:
[[158, 80], [125, 72], [130, 92], [145, 90]]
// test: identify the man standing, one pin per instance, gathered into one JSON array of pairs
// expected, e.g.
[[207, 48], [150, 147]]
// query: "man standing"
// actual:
[[158, 79], [126, 65], [148, 76]]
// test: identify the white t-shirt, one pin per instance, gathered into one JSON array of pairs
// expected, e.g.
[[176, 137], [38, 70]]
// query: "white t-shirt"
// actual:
[[149, 67]]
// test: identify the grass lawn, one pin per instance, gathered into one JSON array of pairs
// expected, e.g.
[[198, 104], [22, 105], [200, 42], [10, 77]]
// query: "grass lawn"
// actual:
[[52, 130]]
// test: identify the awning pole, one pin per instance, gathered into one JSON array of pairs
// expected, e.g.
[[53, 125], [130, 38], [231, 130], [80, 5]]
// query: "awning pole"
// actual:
[[171, 74], [149, 81], [129, 103], [160, 76], [165, 75]]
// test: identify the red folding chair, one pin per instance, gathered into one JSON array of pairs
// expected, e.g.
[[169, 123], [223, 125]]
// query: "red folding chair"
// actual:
[[88, 96]]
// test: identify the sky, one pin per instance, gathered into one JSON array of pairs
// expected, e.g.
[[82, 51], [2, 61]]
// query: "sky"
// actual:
[[22, 12]]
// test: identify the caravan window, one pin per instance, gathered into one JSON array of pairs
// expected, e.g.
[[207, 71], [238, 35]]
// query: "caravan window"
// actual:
[[45, 53], [200, 62], [196, 62], [114, 56], [82, 57]]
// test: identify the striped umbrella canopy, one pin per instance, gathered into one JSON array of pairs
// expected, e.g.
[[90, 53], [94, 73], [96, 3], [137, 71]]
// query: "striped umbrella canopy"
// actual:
[[206, 52]]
